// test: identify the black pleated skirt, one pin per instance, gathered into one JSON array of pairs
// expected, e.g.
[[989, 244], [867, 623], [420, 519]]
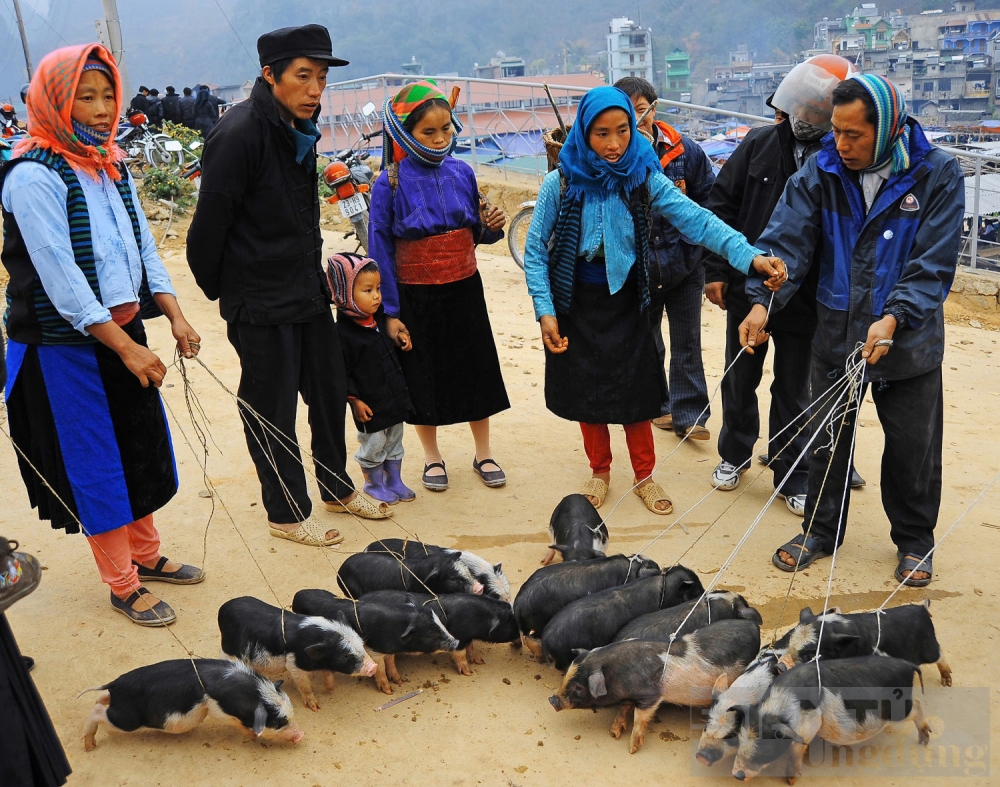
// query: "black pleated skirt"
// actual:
[[99, 439], [30, 752], [610, 373], [453, 370]]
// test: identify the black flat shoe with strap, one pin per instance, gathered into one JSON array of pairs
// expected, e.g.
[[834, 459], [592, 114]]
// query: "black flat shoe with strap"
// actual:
[[160, 615], [435, 483], [185, 575]]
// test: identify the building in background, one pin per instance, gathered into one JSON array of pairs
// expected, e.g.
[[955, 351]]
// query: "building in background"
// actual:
[[413, 68], [630, 51], [500, 67], [677, 76]]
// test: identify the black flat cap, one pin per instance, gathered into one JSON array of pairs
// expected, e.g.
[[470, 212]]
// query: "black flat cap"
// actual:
[[312, 41]]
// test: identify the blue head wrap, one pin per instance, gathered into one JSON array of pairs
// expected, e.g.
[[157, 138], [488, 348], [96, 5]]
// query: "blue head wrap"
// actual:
[[585, 171]]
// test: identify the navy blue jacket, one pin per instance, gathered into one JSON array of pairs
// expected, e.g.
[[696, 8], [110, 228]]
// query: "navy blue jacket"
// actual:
[[900, 259], [674, 256]]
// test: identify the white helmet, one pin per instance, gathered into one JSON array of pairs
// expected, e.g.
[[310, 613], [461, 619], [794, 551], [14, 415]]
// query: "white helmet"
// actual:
[[805, 93]]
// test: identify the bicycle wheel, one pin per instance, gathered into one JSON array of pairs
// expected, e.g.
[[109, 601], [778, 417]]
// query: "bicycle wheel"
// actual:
[[517, 234], [158, 156]]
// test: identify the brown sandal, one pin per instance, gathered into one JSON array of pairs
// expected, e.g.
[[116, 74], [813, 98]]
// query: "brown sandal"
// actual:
[[652, 493], [596, 487]]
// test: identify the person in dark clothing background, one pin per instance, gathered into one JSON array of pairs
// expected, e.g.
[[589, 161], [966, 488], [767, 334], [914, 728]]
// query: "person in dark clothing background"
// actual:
[[255, 245], [140, 103], [877, 214], [154, 108], [745, 193], [206, 110], [676, 276], [171, 106], [186, 104]]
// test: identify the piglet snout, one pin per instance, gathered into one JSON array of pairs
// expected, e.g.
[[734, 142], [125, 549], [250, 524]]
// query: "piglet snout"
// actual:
[[477, 588], [740, 775], [369, 668], [555, 702], [708, 756]]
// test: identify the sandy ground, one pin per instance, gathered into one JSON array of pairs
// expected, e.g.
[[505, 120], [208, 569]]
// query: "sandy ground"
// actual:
[[495, 728]]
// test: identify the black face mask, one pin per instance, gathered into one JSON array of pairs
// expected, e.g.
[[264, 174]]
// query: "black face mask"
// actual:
[[805, 132]]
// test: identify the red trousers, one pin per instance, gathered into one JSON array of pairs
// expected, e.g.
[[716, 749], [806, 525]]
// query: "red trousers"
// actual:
[[638, 437], [115, 550]]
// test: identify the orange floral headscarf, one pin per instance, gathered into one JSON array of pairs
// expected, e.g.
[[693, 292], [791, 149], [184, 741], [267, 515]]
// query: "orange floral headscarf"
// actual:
[[50, 104]]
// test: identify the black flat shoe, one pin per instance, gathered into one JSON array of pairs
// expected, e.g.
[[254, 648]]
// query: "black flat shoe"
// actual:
[[436, 483], [185, 575], [160, 615], [492, 478]]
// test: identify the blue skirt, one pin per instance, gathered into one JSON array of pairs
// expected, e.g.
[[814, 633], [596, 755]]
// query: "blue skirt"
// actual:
[[97, 437]]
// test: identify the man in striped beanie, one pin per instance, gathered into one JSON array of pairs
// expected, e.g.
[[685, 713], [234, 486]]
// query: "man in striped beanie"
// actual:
[[876, 219]]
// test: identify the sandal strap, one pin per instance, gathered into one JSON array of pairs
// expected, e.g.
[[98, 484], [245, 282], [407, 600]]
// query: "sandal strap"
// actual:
[[479, 466], [596, 487], [161, 563], [366, 508], [142, 591], [911, 563], [652, 493], [432, 465]]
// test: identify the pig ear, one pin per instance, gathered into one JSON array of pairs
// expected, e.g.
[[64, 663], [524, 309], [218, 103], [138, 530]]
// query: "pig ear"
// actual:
[[806, 615], [577, 652], [843, 639], [559, 548], [498, 569], [784, 732], [431, 574], [721, 684], [259, 720], [596, 683], [278, 684], [406, 634], [316, 651]]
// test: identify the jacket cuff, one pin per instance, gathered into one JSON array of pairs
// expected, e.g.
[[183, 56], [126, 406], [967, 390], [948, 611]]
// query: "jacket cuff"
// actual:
[[897, 311]]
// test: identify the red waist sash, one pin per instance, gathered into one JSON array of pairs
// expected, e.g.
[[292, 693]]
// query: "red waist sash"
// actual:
[[436, 259]]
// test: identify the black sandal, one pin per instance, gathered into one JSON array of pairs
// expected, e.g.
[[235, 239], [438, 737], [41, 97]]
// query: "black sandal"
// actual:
[[909, 563], [436, 483], [160, 615], [185, 575], [809, 551], [492, 478]]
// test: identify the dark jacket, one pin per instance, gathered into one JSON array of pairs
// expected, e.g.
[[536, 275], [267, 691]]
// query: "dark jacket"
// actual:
[[898, 259], [254, 241], [186, 104], [154, 110], [206, 106], [171, 104], [374, 374], [691, 172], [746, 190], [138, 104]]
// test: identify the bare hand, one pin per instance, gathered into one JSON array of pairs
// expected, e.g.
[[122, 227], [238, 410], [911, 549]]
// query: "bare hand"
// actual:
[[188, 341], [715, 291], [550, 335], [144, 364], [361, 411], [773, 268], [398, 333], [752, 333], [879, 331], [492, 217]]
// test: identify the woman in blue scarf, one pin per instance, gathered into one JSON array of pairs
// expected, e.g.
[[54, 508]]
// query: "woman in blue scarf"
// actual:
[[585, 265]]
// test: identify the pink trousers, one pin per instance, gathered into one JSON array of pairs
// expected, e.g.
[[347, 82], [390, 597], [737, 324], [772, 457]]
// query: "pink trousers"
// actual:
[[115, 550]]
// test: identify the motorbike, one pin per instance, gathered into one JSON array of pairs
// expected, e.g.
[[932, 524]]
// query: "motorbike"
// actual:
[[144, 148], [10, 131], [351, 180], [517, 232]]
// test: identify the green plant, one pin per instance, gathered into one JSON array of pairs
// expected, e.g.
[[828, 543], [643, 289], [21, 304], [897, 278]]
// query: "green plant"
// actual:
[[324, 190], [160, 183], [182, 134]]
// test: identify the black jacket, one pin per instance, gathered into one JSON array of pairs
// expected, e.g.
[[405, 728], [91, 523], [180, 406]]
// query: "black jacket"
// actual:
[[171, 104], [138, 104], [744, 196], [254, 241], [186, 104], [691, 172], [206, 106], [374, 374], [154, 110]]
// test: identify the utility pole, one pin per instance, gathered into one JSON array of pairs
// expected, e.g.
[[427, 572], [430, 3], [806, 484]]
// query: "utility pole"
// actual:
[[113, 29], [24, 39]]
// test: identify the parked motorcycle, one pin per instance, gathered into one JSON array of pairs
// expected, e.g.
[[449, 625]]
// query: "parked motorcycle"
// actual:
[[144, 148], [351, 180], [10, 131]]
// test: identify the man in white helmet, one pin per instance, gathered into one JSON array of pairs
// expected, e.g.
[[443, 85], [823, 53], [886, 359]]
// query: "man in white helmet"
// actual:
[[744, 196]]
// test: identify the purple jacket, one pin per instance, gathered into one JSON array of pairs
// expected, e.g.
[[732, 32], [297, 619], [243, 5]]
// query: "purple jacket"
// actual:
[[429, 201]]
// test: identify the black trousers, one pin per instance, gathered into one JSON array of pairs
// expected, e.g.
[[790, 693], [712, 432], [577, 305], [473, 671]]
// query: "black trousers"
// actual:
[[912, 416], [687, 391], [789, 399], [279, 363]]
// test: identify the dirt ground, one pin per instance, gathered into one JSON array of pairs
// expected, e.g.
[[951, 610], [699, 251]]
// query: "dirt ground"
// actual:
[[496, 728]]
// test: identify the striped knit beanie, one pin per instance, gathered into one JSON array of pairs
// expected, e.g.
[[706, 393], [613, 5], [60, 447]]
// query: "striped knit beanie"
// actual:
[[401, 143], [892, 134], [341, 272]]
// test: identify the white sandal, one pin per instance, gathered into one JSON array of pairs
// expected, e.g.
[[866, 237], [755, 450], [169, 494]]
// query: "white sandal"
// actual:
[[309, 533], [361, 505]]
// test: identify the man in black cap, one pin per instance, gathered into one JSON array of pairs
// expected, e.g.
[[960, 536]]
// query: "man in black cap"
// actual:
[[255, 244], [171, 106], [140, 103]]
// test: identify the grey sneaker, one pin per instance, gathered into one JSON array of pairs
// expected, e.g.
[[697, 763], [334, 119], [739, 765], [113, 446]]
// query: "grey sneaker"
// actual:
[[726, 477], [795, 503]]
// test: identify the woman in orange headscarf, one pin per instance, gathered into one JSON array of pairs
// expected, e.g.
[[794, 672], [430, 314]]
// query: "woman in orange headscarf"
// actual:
[[85, 414]]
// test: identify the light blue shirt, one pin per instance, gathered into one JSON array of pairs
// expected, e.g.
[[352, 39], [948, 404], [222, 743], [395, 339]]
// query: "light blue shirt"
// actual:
[[36, 195], [607, 221]]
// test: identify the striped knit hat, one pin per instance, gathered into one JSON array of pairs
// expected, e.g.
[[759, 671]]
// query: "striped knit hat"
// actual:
[[397, 109], [892, 134], [341, 271]]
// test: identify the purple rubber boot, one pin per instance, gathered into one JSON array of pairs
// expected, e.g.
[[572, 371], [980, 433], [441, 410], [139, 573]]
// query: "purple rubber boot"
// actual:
[[376, 487], [394, 481]]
